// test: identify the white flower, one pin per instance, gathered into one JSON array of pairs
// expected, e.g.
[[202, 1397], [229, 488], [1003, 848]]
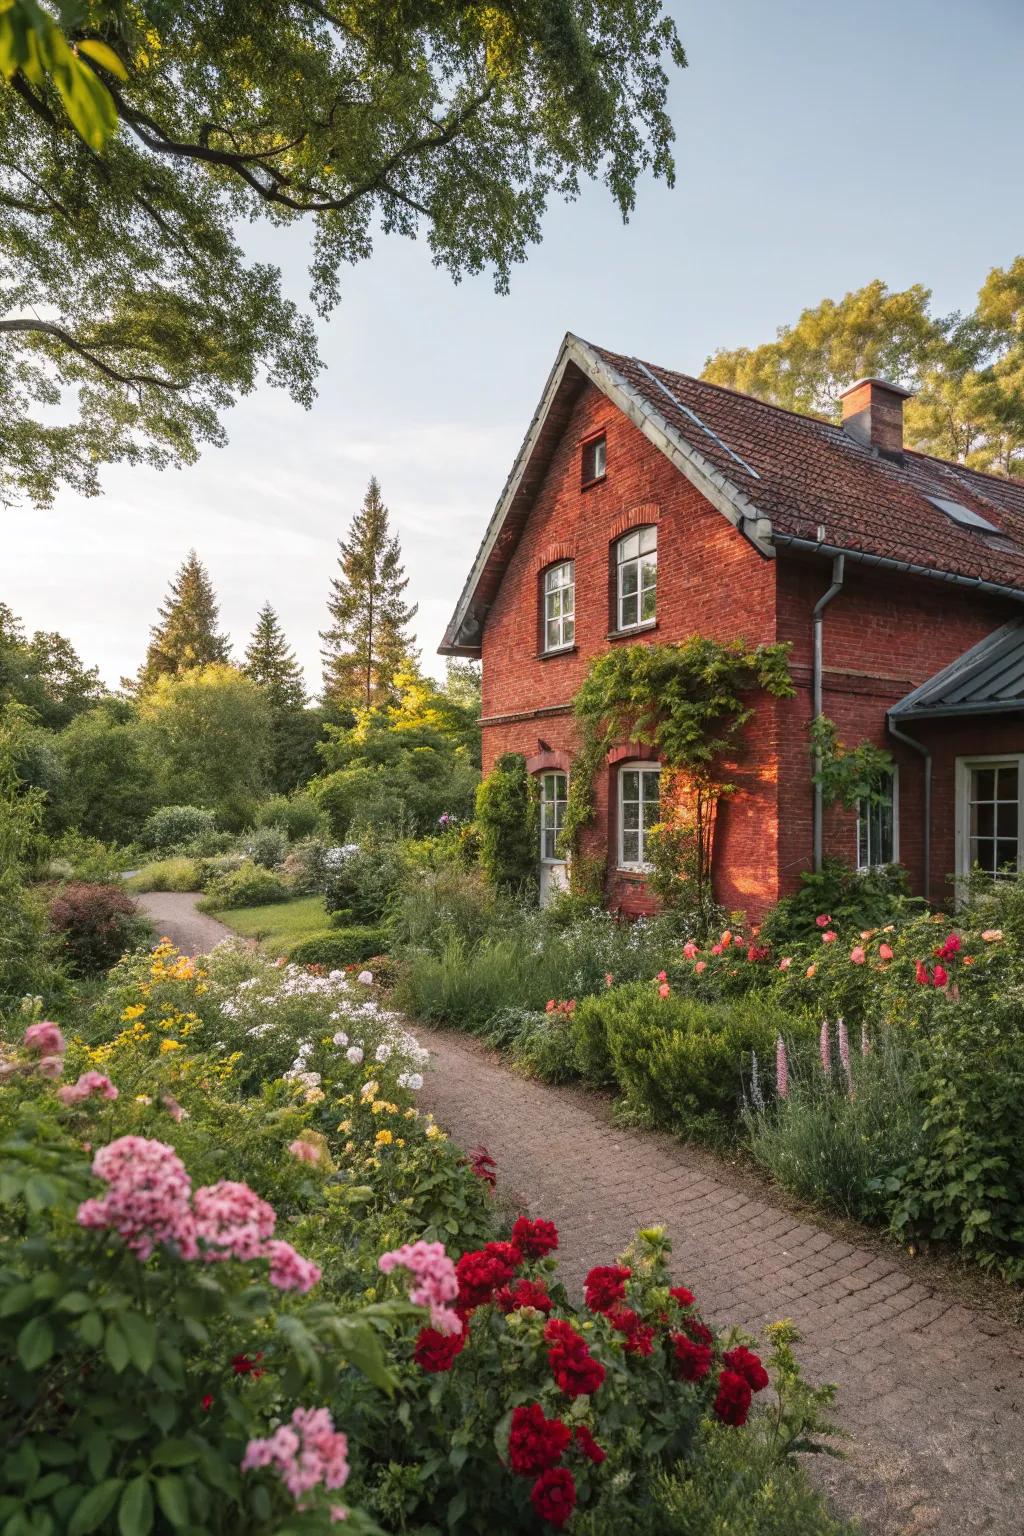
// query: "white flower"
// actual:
[[354, 1055], [382, 1052], [415, 1081], [336, 976], [366, 977], [341, 1038]]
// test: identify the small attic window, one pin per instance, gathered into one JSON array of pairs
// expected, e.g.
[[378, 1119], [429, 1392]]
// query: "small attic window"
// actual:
[[963, 515], [595, 458]]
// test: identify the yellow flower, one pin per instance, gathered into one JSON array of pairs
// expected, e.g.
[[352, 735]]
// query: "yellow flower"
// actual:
[[369, 1091], [350, 1146], [347, 1098], [400, 1141], [435, 1133], [170, 1045], [344, 1127], [133, 1012], [383, 1139], [411, 1114]]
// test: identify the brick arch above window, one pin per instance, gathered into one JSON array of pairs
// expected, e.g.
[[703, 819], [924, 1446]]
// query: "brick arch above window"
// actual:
[[546, 762], [641, 516], [554, 554], [631, 752]]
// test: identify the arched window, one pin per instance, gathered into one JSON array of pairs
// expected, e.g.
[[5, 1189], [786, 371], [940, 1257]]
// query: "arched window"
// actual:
[[636, 578], [639, 811], [560, 606]]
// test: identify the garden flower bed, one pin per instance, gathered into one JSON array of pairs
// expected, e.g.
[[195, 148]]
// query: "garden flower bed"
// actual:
[[246, 1285]]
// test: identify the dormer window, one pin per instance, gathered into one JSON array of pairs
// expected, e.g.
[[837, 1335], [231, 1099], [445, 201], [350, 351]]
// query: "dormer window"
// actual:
[[595, 459]]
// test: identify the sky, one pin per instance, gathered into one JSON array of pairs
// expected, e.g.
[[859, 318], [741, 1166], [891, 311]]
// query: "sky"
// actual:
[[819, 145]]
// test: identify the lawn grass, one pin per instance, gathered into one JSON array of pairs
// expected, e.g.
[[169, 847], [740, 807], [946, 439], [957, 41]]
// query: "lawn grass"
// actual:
[[279, 924]]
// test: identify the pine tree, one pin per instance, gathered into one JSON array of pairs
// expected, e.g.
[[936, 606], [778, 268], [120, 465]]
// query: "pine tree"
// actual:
[[270, 661], [367, 643], [185, 635]]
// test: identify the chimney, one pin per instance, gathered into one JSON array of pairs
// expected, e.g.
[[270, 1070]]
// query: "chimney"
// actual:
[[873, 414]]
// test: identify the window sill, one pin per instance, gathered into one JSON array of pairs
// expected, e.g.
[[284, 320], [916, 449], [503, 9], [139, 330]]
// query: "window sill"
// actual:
[[561, 650], [588, 485], [634, 629], [633, 871]]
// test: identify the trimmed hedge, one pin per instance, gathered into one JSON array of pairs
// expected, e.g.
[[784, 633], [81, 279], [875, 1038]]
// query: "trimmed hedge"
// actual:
[[339, 947]]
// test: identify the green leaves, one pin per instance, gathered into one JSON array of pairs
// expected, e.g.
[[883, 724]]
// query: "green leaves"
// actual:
[[35, 1344], [95, 1507], [135, 1511], [32, 43]]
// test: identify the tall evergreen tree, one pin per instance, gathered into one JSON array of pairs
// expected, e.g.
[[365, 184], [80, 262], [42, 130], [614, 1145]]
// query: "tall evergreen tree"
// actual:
[[270, 661], [185, 635], [367, 642]]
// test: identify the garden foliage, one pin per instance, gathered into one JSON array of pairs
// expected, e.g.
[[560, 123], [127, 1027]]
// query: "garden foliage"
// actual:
[[246, 1285]]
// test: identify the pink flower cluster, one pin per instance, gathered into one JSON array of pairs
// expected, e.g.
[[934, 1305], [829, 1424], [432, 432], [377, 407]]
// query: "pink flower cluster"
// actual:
[[304, 1151], [88, 1084], [307, 1453], [46, 1040], [435, 1280], [149, 1201]]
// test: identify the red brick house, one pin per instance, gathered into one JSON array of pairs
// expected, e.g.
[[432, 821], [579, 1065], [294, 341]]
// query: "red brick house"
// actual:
[[647, 505]]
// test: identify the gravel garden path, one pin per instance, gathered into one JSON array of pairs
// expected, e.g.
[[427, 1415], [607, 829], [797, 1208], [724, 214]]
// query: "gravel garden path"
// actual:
[[931, 1389]]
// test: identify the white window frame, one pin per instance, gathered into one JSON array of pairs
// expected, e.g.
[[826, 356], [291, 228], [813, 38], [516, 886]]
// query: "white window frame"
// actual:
[[641, 766], [636, 561], [964, 767], [881, 863], [559, 821], [562, 618]]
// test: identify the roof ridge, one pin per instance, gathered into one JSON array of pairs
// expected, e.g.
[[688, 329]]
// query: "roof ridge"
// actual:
[[727, 389], [968, 469]]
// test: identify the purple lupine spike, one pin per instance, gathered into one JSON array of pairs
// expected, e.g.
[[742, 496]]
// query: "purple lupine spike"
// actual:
[[844, 1052], [781, 1069], [825, 1045]]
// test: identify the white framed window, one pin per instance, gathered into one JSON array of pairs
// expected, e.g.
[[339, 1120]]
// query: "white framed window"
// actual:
[[560, 606], [989, 824], [553, 794], [636, 578], [878, 826], [639, 811], [594, 464]]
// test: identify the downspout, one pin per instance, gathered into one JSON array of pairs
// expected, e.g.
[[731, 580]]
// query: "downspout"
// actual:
[[838, 564], [920, 747]]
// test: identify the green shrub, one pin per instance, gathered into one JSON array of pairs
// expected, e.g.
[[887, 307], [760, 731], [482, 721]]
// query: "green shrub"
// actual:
[[340, 947], [677, 1060], [364, 880], [96, 925], [853, 899], [506, 817], [173, 825], [835, 1148], [591, 1051], [298, 816], [246, 886], [177, 874], [267, 846], [966, 1185], [86, 859], [305, 865], [436, 905]]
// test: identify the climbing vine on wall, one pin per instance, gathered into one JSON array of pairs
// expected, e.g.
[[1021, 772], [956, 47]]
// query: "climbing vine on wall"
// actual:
[[506, 818], [848, 774], [689, 703]]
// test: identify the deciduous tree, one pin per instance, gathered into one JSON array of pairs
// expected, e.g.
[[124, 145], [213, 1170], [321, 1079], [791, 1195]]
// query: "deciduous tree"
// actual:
[[129, 298], [967, 371]]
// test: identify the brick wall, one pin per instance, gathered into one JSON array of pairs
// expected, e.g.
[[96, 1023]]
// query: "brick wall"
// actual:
[[883, 635], [710, 582]]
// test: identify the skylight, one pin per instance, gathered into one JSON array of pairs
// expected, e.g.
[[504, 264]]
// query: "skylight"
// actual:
[[963, 515]]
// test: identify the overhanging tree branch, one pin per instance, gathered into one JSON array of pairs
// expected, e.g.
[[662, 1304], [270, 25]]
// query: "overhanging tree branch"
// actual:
[[88, 352]]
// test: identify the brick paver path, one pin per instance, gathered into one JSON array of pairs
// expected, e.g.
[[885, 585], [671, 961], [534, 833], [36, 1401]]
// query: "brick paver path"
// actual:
[[932, 1392]]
